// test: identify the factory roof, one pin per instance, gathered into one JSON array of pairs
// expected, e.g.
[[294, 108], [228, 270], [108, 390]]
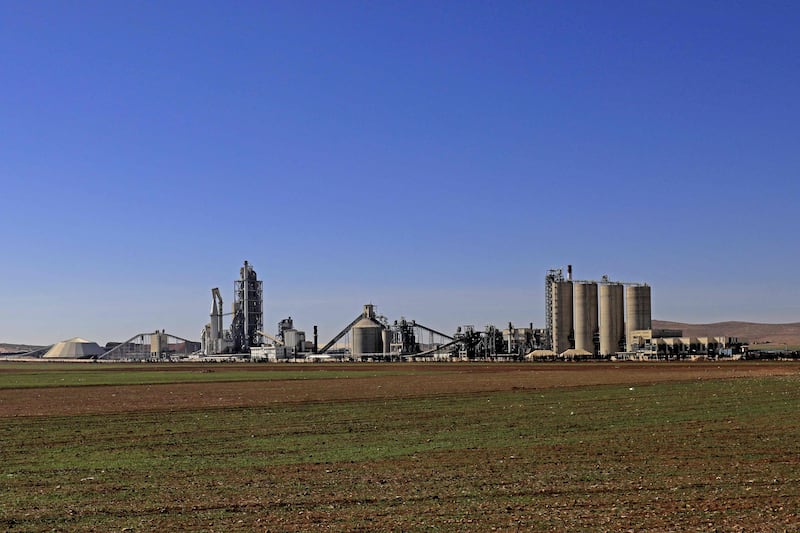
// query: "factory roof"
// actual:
[[575, 352], [367, 323], [74, 348], [541, 353]]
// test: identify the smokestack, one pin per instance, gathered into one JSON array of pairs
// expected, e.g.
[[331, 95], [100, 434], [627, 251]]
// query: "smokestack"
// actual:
[[316, 345], [569, 272]]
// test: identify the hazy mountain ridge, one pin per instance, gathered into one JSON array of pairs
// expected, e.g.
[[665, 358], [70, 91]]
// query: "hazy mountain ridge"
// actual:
[[752, 332], [6, 347]]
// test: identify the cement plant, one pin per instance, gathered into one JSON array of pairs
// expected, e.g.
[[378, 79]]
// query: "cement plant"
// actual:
[[602, 319]]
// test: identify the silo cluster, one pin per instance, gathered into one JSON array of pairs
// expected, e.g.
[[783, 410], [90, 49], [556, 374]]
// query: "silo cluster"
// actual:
[[590, 316]]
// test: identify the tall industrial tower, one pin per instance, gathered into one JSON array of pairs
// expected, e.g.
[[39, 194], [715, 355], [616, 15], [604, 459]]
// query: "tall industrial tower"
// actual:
[[248, 310], [553, 277]]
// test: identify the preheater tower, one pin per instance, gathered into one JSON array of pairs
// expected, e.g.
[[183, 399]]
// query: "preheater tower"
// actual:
[[248, 310]]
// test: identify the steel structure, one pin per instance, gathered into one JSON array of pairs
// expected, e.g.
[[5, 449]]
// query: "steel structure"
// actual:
[[248, 310], [553, 276], [372, 337], [157, 345]]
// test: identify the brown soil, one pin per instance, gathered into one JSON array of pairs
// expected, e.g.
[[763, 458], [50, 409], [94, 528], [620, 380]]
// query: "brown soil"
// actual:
[[434, 380]]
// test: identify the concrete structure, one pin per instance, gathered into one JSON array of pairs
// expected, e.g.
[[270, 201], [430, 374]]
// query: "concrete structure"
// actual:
[[585, 316], [638, 311], [386, 340], [562, 324], [270, 354], [159, 343], [589, 316], [611, 317], [671, 344], [655, 340], [74, 348], [367, 334], [294, 340]]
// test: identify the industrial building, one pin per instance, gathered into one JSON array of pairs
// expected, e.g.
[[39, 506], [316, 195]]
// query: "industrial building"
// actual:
[[248, 317], [584, 319], [671, 344], [588, 316], [74, 348], [613, 319], [151, 346]]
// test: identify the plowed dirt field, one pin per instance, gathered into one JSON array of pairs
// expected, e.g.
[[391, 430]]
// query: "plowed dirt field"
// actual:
[[364, 382], [378, 447]]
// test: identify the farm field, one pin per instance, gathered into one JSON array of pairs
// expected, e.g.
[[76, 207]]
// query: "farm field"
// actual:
[[589, 446]]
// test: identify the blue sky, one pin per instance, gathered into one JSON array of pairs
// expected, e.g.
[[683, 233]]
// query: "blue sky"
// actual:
[[434, 158]]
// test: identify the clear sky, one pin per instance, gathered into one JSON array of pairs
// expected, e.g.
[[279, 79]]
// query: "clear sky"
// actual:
[[434, 158]]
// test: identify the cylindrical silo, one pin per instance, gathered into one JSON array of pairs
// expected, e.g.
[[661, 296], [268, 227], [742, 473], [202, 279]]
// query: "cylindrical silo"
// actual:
[[294, 339], [585, 316], [156, 344], [386, 337], [611, 318], [562, 315], [367, 337], [638, 313]]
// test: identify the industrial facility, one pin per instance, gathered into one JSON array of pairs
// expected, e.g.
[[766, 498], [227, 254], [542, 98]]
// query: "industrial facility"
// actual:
[[584, 319], [589, 316], [613, 320], [151, 346], [248, 317]]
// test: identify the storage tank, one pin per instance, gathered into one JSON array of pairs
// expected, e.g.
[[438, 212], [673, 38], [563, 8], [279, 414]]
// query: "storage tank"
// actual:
[[159, 343], [562, 315], [367, 337], [386, 336], [585, 316], [638, 313], [294, 339], [611, 318]]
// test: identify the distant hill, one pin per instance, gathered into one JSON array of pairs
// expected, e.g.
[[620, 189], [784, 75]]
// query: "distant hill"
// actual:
[[747, 331], [17, 348]]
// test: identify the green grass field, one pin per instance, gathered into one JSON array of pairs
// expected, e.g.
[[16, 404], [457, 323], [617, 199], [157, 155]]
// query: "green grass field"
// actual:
[[706, 455]]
